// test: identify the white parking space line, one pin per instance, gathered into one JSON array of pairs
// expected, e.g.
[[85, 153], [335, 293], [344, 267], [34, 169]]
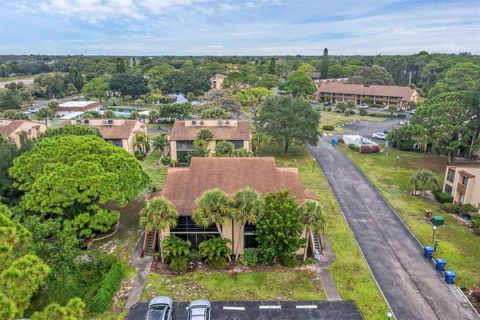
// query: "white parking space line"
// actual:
[[233, 308], [270, 307], [310, 306]]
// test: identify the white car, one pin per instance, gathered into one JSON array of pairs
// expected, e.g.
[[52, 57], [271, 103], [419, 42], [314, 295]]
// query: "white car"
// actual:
[[380, 136], [199, 310], [159, 308]]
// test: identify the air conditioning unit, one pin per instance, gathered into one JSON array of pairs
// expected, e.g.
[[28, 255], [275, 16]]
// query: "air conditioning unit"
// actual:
[[194, 122], [86, 121], [110, 121], [201, 123]]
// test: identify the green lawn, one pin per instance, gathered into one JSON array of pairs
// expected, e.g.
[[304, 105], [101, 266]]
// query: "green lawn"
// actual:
[[337, 119], [284, 284], [156, 173], [350, 272], [458, 245]]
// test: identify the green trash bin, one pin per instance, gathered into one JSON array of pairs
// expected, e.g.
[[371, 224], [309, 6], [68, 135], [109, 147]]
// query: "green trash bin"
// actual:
[[437, 221]]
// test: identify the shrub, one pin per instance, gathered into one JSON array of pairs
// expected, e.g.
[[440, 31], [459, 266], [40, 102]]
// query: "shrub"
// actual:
[[349, 112], [165, 160], [328, 127], [476, 222], [178, 264], [377, 105], [217, 264], [407, 145], [194, 256], [353, 147], [442, 197], [174, 247], [450, 207], [140, 155], [363, 112], [249, 257], [467, 208], [279, 231], [329, 109], [214, 249], [108, 288]]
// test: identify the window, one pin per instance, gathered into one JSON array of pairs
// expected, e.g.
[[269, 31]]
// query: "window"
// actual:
[[464, 180], [451, 175], [185, 145], [237, 143], [186, 229], [116, 142], [182, 156], [250, 237], [448, 189]]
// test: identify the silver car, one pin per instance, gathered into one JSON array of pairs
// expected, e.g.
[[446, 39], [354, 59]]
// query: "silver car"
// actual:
[[159, 308], [199, 310]]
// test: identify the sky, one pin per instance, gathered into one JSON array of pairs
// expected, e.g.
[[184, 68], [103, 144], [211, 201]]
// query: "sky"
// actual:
[[238, 27]]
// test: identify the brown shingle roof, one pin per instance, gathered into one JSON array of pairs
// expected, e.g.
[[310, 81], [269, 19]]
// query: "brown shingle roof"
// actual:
[[7, 130], [184, 185], [384, 91], [121, 131], [239, 132]]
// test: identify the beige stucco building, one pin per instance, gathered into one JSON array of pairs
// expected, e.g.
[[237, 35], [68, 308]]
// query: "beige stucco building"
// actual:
[[185, 184], [120, 132], [462, 182], [216, 82], [184, 132], [339, 91], [13, 129]]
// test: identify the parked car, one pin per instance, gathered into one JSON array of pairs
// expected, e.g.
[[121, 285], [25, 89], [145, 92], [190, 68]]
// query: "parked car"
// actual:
[[363, 106], [411, 111], [380, 136], [199, 310], [33, 109], [327, 103], [159, 308]]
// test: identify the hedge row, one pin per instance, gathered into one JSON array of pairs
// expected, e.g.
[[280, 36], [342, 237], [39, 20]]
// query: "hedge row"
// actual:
[[109, 286]]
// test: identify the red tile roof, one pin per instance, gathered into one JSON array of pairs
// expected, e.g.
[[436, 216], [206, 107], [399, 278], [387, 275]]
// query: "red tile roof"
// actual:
[[7, 130], [359, 89], [239, 132], [184, 185]]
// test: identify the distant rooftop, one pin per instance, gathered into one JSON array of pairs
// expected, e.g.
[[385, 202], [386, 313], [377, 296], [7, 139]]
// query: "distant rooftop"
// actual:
[[221, 129], [77, 104]]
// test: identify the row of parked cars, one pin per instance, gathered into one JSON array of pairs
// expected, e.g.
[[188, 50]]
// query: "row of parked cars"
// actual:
[[161, 308]]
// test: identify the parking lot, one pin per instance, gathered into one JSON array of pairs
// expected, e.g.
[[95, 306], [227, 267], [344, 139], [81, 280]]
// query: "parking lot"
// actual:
[[265, 310]]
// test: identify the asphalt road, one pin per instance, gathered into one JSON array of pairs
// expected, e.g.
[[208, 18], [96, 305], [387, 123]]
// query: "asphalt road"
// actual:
[[265, 310], [409, 282]]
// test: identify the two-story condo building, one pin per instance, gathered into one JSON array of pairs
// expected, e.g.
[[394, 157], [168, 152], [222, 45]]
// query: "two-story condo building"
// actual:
[[184, 132], [462, 182], [14, 129]]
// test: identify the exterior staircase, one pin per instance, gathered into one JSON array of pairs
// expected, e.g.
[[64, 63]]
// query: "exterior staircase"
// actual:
[[316, 246], [149, 243]]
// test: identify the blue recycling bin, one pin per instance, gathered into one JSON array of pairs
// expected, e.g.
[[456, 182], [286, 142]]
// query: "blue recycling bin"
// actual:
[[334, 141], [427, 252], [440, 264], [450, 276]]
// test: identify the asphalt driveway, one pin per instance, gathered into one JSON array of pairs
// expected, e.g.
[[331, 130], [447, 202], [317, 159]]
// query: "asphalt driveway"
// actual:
[[265, 310], [367, 128], [409, 282]]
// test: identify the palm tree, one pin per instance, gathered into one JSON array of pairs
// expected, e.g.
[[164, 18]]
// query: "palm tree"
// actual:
[[214, 207], [248, 206], [312, 217], [423, 180], [45, 114], [158, 215], [141, 142], [160, 142]]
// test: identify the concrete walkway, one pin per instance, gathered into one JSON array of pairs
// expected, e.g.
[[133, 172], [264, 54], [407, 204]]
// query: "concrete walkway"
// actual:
[[143, 266], [326, 259], [409, 282]]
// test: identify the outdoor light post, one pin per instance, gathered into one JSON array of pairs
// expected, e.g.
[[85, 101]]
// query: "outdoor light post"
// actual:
[[313, 164], [396, 162], [434, 228], [389, 315]]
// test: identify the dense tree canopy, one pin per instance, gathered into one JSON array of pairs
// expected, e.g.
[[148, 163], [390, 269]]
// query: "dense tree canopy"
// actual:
[[71, 176], [289, 120], [299, 84], [369, 75], [128, 84]]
